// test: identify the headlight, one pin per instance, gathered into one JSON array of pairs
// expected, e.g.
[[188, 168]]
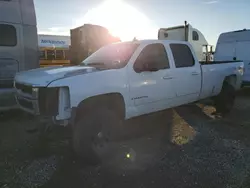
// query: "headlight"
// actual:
[[35, 92], [241, 70], [48, 101]]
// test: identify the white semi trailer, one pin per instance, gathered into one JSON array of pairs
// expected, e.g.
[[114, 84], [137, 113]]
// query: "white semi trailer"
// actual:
[[18, 45]]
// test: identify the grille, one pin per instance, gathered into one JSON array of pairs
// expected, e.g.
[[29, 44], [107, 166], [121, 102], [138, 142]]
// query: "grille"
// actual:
[[25, 104], [24, 88], [6, 83]]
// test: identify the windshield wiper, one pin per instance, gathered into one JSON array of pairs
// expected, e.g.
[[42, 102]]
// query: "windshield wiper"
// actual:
[[97, 65], [93, 64]]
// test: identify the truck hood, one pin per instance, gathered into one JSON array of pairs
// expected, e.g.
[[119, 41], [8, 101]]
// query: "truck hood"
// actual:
[[43, 76]]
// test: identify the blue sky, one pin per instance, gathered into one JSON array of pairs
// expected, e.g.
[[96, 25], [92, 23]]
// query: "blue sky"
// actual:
[[211, 17]]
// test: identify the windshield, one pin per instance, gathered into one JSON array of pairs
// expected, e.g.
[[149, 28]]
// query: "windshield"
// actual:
[[113, 56]]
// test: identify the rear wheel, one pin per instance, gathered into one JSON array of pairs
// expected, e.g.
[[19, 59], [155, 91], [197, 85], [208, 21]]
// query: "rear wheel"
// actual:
[[225, 100], [94, 136]]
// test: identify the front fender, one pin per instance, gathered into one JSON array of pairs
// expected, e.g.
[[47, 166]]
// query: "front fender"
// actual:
[[85, 86]]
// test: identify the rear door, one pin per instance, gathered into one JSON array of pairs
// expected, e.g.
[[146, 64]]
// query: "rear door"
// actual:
[[187, 72], [10, 53], [243, 54]]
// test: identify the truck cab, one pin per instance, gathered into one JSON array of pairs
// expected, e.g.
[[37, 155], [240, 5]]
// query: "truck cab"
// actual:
[[18, 45], [186, 33]]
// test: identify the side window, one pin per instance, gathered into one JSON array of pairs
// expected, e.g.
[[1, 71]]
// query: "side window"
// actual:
[[152, 58], [8, 35], [50, 54], [195, 36], [183, 56]]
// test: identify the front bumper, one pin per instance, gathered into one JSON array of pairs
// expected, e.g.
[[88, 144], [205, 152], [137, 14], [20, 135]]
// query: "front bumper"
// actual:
[[47, 102]]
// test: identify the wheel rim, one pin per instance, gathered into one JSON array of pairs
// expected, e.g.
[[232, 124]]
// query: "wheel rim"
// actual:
[[100, 142]]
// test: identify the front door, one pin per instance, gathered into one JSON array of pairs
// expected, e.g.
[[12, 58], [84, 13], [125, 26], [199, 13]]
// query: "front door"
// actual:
[[151, 79]]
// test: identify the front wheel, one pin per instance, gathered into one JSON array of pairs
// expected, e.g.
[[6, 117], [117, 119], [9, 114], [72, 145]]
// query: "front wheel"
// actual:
[[225, 100], [94, 136]]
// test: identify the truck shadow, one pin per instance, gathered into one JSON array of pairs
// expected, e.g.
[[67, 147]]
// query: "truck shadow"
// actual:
[[147, 136], [15, 115], [160, 138], [139, 134], [188, 111], [164, 138], [244, 92]]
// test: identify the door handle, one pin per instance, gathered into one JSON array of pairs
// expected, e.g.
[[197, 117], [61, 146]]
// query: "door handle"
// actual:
[[167, 77], [195, 73]]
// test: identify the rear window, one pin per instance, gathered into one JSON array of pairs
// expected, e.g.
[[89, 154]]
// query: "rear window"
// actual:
[[183, 56], [7, 35], [195, 36]]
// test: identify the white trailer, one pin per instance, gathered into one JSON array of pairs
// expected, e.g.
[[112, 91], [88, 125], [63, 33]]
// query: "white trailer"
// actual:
[[235, 45], [18, 45]]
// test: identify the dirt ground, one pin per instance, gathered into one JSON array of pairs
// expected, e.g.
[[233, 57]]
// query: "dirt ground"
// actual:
[[182, 147]]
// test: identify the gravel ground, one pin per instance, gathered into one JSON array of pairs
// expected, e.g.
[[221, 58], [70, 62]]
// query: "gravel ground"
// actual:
[[181, 147]]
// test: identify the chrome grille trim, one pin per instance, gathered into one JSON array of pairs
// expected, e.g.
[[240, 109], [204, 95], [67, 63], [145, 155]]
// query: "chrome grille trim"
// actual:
[[25, 97]]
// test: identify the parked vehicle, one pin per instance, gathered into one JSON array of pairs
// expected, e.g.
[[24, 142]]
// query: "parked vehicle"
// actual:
[[121, 81], [86, 39], [54, 50], [235, 45], [18, 46], [192, 35]]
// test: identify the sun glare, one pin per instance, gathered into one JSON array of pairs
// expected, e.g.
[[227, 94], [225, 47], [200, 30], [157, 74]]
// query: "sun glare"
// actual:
[[121, 19]]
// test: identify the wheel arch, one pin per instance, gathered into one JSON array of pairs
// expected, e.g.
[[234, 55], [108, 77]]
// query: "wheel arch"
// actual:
[[231, 79], [113, 101]]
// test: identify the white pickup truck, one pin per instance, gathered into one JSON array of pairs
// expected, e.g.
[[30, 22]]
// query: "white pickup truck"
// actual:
[[121, 81]]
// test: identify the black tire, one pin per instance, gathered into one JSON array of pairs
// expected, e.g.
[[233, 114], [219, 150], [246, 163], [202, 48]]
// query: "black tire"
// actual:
[[94, 136], [225, 100]]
